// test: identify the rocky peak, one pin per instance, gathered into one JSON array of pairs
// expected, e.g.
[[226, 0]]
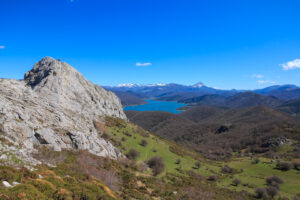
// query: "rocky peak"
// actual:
[[56, 106], [41, 70], [63, 84]]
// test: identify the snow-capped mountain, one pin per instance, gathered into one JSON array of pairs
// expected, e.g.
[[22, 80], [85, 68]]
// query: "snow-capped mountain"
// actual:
[[198, 85]]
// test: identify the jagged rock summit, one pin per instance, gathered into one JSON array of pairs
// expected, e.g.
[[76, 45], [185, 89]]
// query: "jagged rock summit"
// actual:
[[57, 107]]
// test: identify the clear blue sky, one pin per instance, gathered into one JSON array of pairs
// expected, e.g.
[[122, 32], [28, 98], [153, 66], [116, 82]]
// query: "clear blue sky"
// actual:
[[224, 44]]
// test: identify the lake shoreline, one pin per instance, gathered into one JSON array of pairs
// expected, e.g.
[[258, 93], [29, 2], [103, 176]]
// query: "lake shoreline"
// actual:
[[153, 105]]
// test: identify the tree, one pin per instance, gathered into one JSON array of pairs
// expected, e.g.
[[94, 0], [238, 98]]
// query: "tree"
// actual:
[[197, 164], [236, 182], [260, 193], [144, 142], [133, 154], [157, 165], [255, 161], [227, 169], [212, 178], [284, 166], [296, 165], [274, 180], [272, 191]]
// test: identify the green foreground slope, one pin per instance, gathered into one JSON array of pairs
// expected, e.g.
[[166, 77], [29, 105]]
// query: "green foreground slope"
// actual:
[[80, 175]]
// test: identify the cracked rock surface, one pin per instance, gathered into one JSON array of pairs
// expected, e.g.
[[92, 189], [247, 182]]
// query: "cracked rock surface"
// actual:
[[56, 106]]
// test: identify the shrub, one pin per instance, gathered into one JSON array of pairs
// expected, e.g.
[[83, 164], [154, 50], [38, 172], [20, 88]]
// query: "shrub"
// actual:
[[274, 181], [133, 154], [157, 165], [227, 169], [272, 191], [212, 178], [54, 73], [197, 164], [127, 134], [236, 182], [62, 194], [178, 161], [26, 191], [123, 139], [142, 132], [296, 165], [144, 142], [255, 161], [154, 150], [284, 166], [260, 193], [296, 198]]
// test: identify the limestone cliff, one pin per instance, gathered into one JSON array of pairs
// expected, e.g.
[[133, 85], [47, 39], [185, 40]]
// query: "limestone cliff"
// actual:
[[55, 106]]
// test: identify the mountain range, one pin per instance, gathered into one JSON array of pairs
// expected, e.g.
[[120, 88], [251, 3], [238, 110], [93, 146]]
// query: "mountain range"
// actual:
[[199, 94]]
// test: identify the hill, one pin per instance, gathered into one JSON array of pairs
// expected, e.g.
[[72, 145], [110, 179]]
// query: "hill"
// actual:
[[291, 107], [240, 100], [221, 131], [129, 98]]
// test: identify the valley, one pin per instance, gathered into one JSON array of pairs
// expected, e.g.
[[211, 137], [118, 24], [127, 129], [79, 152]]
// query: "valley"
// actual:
[[222, 146]]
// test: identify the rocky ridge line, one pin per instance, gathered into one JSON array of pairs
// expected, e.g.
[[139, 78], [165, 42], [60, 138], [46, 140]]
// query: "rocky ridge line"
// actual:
[[55, 106]]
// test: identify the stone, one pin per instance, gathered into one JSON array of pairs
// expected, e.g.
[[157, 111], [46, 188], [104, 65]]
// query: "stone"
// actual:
[[56, 107], [6, 184]]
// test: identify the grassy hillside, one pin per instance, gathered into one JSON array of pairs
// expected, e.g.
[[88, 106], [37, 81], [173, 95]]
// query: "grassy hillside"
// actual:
[[129, 136], [216, 132], [244, 168], [254, 175], [80, 175]]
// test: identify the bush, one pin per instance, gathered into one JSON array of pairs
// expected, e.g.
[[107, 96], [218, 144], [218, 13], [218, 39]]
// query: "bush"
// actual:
[[296, 197], [212, 178], [133, 154], [197, 164], [272, 191], [296, 165], [62, 194], [274, 181], [178, 161], [144, 142], [123, 139], [255, 161], [284, 166], [260, 193], [157, 165], [127, 134], [227, 169], [236, 182], [154, 150]]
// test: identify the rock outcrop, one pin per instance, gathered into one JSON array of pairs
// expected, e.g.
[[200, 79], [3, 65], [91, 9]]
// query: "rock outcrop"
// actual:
[[55, 106]]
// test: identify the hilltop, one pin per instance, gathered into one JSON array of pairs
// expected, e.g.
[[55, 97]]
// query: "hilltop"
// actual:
[[55, 106]]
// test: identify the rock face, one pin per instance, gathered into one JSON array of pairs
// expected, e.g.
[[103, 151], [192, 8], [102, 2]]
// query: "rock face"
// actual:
[[56, 106]]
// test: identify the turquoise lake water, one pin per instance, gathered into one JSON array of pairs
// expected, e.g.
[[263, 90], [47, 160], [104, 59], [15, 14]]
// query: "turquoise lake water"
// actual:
[[157, 106]]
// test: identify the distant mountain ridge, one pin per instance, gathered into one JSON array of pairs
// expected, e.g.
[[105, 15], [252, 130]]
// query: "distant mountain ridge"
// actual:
[[200, 94]]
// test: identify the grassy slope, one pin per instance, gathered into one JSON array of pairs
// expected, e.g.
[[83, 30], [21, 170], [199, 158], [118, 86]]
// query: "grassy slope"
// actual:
[[162, 148], [254, 175]]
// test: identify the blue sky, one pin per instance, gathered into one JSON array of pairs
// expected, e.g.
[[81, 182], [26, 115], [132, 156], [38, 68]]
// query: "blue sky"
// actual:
[[224, 44]]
